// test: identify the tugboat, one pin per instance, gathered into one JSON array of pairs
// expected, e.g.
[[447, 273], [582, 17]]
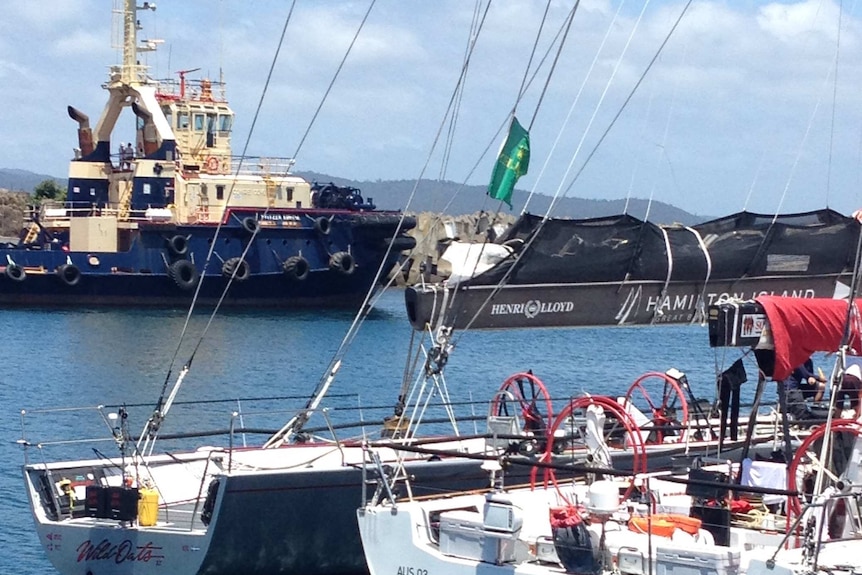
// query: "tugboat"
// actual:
[[176, 213]]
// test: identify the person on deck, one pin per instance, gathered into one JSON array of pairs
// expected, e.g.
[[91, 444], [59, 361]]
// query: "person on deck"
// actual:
[[809, 383], [803, 385], [126, 154], [850, 390]]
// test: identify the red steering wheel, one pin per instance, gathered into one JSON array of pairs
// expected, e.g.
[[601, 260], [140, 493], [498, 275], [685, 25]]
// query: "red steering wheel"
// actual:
[[524, 395], [661, 399]]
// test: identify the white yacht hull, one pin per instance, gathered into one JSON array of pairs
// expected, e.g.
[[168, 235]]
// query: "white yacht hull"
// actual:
[[80, 546]]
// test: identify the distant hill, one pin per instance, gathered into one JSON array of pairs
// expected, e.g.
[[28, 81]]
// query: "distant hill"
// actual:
[[433, 196], [23, 180]]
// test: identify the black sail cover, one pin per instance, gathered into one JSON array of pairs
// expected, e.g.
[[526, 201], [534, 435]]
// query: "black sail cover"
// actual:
[[624, 248]]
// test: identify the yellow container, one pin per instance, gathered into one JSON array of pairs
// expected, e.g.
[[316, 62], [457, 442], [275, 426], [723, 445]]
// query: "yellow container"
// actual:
[[148, 507]]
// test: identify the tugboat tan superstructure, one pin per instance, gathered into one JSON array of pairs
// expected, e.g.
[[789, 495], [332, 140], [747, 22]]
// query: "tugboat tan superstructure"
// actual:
[[146, 219]]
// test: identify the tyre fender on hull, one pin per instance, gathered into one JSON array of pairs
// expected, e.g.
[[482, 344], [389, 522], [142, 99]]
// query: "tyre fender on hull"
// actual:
[[296, 268], [323, 225], [16, 273], [250, 225], [69, 274], [342, 262], [178, 245], [243, 270], [184, 273]]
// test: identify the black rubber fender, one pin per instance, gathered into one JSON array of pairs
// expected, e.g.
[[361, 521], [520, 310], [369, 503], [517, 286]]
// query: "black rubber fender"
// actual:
[[69, 274], [401, 243], [16, 273], [250, 225], [323, 225], [243, 270], [185, 274], [178, 245], [342, 262], [296, 268]]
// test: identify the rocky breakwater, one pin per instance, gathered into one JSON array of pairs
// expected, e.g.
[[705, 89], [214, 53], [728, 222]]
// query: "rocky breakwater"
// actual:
[[13, 207], [433, 232]]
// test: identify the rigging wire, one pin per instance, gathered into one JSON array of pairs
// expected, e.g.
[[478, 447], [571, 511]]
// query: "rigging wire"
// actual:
[[526, 81], [851, 321], [642, 138], [662, 148], [768, 233], [572, 107], [152, 425], [494, 138], [754, 180], [628, 98], [522, 88], [334, 78], [562, 36], [162, 407], [296, 423], [766, 146], [799, 151], [450, 134], [558, 193], [534, 234], [834, 105]]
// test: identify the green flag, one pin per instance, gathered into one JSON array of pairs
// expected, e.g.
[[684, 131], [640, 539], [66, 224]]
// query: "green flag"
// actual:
[[512, 163]]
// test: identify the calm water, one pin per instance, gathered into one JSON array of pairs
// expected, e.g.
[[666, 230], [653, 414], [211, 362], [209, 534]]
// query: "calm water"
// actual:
[[62, 358]]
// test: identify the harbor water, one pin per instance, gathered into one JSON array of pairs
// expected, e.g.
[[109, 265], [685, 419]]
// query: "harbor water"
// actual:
[[84, 358]]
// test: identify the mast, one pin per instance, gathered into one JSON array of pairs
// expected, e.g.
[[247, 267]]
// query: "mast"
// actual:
[[131, 71], [130, 39]]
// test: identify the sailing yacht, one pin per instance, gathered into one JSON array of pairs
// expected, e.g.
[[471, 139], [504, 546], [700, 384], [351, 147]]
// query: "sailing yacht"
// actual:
[[757, 517], [620, 270]]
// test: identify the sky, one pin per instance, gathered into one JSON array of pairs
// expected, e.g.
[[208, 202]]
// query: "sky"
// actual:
[[749, 105]]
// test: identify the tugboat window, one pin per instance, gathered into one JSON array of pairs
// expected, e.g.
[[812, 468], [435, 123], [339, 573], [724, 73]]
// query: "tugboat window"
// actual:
[[290, 195], [183, 119], [199, 122], [224, 122], [169, 116], [219, 192]]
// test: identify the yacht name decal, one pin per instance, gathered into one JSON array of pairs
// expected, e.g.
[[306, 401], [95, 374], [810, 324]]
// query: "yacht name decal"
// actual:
[[682, 307], [402, 570], [531, 309], [120, 552], [688, 301]]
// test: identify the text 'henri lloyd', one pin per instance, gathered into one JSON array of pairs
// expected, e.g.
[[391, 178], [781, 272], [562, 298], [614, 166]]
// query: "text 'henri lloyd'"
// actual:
[[532, 308]]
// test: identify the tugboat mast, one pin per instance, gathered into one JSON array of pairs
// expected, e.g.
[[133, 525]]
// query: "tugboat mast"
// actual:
[[131, 71]]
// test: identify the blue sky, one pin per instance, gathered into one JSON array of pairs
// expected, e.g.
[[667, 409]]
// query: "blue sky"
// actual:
[[742, 109]]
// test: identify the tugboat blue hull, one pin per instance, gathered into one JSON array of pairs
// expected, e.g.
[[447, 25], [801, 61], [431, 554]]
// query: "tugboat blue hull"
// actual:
[[163, 265]]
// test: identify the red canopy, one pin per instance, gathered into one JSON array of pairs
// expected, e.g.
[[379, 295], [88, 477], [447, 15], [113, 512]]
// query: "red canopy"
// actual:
[[802, 326]]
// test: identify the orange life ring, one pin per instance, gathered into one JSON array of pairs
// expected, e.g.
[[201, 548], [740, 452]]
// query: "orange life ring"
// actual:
[[212, 164], [664, 524]]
